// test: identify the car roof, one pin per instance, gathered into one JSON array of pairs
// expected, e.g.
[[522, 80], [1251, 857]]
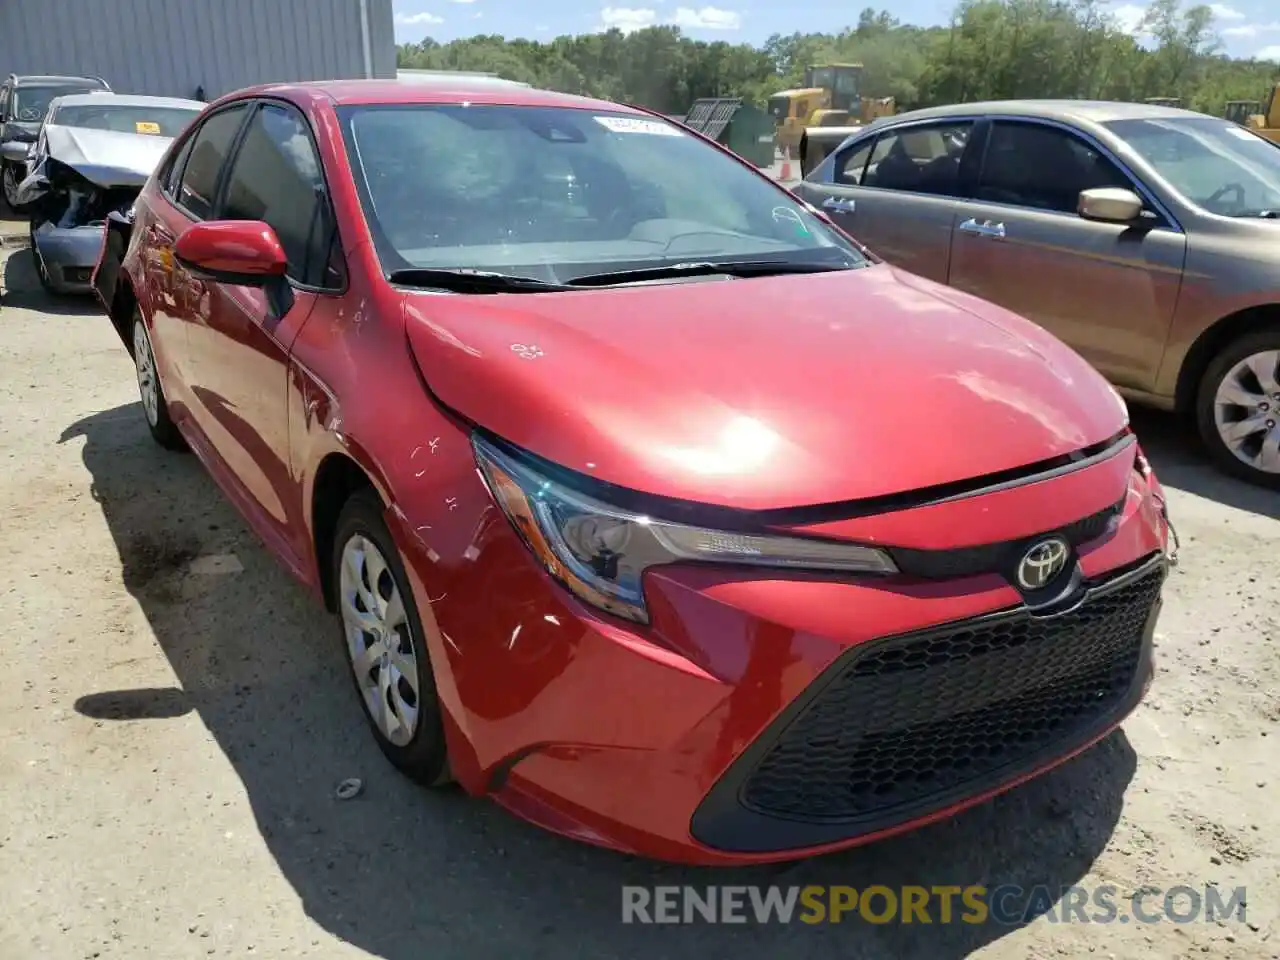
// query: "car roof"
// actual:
[[22, 80], [1094, 111], [126, 100], [428, 89]]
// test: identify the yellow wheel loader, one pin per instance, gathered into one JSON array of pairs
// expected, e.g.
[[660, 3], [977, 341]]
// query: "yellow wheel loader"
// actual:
[[1265, 121], [831, 97]]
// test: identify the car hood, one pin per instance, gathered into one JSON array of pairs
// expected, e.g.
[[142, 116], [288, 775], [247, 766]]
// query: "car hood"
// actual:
[[106, 157], [764, 393]]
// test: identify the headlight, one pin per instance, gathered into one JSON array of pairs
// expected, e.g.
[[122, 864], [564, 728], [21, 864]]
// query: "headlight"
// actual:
[[601, 552]]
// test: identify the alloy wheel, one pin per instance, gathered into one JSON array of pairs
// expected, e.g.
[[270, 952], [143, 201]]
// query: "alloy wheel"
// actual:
[[1246, 411], [380, 643], [148, 385]]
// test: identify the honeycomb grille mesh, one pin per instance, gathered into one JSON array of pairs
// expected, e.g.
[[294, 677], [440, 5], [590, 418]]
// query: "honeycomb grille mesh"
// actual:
[[913, 719]]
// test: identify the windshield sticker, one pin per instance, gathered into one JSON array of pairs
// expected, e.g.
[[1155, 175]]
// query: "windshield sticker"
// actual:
[[633, 125], [146, 126]]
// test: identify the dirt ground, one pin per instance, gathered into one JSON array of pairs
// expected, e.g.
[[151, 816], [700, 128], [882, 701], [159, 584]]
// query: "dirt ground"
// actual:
[[173, 732]]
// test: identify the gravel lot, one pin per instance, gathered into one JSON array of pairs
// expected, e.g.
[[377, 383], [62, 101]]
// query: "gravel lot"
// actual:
[[172, 735]]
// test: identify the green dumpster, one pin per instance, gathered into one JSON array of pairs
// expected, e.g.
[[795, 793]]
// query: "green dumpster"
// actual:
[[746, 130]]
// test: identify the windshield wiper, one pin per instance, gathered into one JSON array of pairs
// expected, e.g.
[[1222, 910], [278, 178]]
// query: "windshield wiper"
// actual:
[[463, 280], [1257, 215], [705, 268]]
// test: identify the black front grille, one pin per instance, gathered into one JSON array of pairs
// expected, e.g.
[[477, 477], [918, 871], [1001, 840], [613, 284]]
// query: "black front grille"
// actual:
[[917, 717], [905, 726]]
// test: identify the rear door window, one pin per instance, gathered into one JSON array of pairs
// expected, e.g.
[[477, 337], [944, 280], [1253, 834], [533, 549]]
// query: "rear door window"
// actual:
[[212, 143], [851, 163], [919, 159], [172, 175]]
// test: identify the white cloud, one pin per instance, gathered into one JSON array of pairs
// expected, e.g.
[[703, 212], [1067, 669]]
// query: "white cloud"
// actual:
[[627, 19], [707, 18], [1252, 29], [416, 19], [542, 28], [1269, 53], [1128, 17], [1225, 12], [630, 19], [462, 1]]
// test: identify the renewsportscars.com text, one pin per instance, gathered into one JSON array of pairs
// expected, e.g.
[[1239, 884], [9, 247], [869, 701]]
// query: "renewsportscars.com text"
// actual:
[[974, 904]]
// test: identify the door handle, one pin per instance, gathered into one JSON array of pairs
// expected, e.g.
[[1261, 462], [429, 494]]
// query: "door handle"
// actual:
[[839, 203], [984, 229]]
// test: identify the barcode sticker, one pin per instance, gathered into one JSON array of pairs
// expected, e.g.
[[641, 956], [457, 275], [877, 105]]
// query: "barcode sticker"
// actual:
[[636, 125]]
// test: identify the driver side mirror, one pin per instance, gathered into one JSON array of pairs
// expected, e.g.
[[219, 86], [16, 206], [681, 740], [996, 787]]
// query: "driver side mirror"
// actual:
[[241, 252], [1109, 205]]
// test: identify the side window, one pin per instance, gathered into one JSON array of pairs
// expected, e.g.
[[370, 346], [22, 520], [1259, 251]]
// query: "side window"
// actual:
[[1043, 167], [850, 164], [172, 175], [276, 178], [209, 150], [4, 104], [919, 159]]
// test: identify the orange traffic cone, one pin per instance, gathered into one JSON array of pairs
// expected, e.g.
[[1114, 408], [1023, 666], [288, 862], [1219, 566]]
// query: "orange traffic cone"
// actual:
[[785, 173]]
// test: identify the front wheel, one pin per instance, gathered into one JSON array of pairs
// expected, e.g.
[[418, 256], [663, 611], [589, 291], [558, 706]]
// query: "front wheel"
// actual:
[[1238, 408], [385, 644], [154, 405]]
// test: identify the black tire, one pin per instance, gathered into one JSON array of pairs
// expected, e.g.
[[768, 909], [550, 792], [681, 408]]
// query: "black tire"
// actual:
[[424, 758], [162, 429], [1256, 341]]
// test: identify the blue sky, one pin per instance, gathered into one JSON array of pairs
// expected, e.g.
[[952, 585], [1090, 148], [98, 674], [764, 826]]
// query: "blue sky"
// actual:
[[1246, 27]]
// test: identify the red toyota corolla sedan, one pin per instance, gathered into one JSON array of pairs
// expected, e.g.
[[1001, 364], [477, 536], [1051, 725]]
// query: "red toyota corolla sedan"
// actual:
[[648, 503]]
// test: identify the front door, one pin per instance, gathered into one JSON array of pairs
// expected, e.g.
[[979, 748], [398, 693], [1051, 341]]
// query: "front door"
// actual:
[[896, 193], [1108, 290], [242, 338]]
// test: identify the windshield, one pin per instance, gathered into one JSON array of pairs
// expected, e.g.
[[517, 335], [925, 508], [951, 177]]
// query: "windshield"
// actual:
[[157, 121], [556, 193], [1215, 164], [823, 77], [32, 103], [779, 107]]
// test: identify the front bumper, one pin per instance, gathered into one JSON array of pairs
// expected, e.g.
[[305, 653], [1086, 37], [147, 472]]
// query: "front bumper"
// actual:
[[770, 715], [902, 728], [69, 255]]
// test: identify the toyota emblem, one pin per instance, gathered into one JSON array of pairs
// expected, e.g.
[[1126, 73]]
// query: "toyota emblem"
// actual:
[[1042, 563]]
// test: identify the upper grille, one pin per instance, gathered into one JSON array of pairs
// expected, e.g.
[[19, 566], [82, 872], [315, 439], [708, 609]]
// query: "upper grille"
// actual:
[[996, 557], [910, 721]]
